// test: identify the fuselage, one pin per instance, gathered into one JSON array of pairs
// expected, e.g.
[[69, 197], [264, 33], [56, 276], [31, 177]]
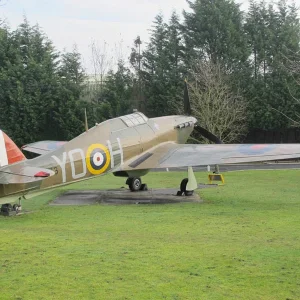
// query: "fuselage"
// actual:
[[103, 149]]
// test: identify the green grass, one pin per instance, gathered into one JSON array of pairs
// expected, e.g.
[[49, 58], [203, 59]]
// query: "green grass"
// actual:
[[241, 243]]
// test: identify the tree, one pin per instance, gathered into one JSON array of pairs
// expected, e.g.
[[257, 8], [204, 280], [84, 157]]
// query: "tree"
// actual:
[[118, 90], [67, 111], [30, 81], [162, 70], [216, 107], [177, 71], [135, 61], [214, 31], [40, 95], [258, 36], [154, 72], [102, 62], [273, 35]]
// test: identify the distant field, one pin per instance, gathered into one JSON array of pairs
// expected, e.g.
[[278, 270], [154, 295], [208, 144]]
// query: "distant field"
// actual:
[[243, 242]]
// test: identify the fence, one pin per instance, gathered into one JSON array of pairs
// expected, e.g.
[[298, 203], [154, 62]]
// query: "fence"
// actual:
[[258, 136]]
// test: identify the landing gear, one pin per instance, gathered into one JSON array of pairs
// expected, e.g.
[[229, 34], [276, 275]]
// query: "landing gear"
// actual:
[[17, 208], [135, 184], [183, 190], [10, 210]]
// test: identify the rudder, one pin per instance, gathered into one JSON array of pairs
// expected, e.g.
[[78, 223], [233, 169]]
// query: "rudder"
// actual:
[[9, 152]]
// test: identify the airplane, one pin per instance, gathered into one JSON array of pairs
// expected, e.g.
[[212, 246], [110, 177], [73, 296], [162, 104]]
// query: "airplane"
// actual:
[[128, 146]]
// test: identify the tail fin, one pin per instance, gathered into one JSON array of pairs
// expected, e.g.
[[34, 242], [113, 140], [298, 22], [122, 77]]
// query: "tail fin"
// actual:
[[9, 152]]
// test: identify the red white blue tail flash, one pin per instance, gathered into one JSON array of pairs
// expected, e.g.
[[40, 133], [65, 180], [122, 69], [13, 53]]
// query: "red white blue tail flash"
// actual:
[[9, 152]]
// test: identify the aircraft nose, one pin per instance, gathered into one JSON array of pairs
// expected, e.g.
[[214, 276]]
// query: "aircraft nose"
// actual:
[[184, 121], [194, 120]]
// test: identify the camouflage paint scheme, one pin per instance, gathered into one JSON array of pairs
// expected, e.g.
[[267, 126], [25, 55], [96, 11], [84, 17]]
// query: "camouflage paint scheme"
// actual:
[[71, 162], [128, 146]]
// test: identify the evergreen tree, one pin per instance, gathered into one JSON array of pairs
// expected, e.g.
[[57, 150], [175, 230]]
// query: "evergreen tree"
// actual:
[[67, 112], [38, 96], [135, 61], [162, 68], [29, 83], [118, 92], [273, 35], [214, 31], [176, 68], [155, 65]]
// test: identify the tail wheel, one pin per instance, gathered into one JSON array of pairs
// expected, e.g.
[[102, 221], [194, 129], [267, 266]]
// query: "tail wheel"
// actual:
[[134, 184]]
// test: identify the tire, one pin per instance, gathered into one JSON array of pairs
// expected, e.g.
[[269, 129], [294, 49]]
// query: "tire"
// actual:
[[183, 185], [6, 207], [144, 187], [135, 184], [189, 193]]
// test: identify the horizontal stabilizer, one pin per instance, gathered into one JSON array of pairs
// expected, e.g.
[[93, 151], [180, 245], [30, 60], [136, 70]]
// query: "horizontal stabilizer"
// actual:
[[24, 174], [43, 147]]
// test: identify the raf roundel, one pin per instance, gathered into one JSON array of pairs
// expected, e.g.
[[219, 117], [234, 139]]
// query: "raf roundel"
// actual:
[[97, 159]]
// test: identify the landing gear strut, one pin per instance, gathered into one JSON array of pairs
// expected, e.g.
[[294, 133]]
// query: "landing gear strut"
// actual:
[[135, 184]]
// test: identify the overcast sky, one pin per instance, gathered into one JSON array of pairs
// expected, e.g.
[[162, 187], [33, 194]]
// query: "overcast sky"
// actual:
[[66, 22]]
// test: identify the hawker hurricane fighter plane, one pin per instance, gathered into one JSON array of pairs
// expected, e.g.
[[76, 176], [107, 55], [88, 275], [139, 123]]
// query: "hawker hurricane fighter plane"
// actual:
[[128, 146]]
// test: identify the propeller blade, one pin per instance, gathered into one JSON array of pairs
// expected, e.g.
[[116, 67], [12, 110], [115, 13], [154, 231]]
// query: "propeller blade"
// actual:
[[186, 100], [86, 121], [211, 137]]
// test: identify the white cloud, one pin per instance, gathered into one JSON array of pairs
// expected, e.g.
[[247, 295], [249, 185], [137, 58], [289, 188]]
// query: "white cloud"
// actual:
[[80, 21], [67, 22], [130, 10], [83, 32]]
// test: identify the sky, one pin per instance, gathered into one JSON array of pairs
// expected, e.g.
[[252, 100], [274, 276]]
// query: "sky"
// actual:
[[114, 23]]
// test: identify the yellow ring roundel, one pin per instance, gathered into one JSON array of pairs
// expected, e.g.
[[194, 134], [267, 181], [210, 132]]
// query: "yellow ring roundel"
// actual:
[[97, 159]]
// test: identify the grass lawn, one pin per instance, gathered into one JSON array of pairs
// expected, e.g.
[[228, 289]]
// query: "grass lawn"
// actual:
[[243, 242]]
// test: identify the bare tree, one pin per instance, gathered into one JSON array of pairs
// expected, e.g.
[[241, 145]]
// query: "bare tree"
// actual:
[[104, 58], [214, 104], [102, 62], [119, 52]]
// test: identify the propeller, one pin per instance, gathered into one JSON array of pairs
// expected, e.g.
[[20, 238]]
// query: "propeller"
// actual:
[[86, 121], [188, 111]]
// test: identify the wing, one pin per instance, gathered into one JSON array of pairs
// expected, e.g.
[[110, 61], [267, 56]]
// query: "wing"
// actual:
[[170, 155], [43, 147]]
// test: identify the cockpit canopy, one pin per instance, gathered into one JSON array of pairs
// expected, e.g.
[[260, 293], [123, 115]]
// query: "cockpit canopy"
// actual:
[[134, 119]]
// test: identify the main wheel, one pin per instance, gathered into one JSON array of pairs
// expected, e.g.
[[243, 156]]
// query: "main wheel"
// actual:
[[7, 207], [183, 185], [134, 184]]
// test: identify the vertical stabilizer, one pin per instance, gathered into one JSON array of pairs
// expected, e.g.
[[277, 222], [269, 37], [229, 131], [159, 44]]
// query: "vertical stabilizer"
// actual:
[[9, 152]]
